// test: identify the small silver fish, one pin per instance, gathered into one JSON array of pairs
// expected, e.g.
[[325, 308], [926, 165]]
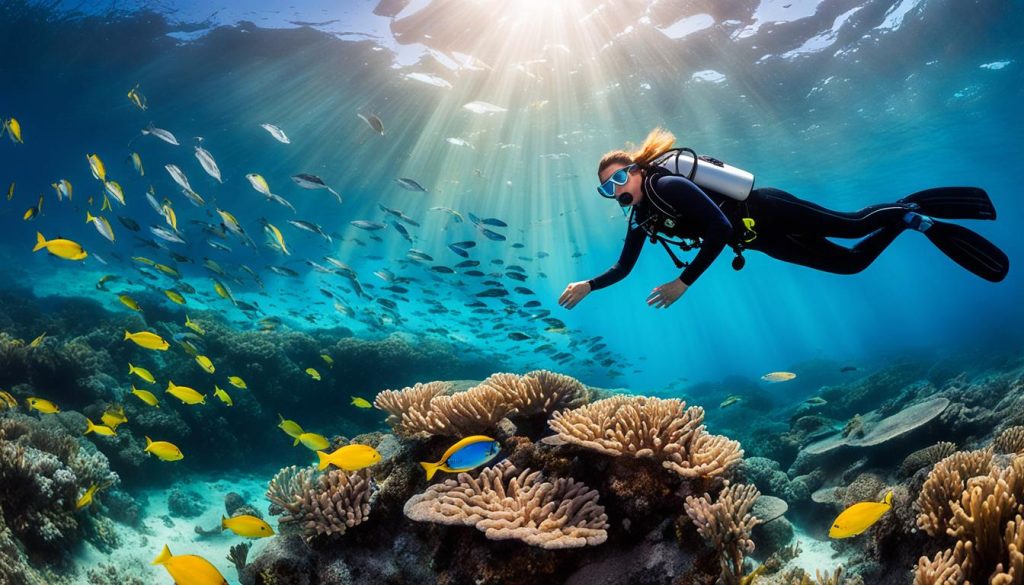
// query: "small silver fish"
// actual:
[[276, 132], [373, 122], [166, 234], [310, 227], [161, 134], [179, 176], [410, 185], [206, 160], [368, 225], [307, 181]]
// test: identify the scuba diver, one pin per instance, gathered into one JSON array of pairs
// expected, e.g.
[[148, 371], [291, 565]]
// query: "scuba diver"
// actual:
[[707, 204]]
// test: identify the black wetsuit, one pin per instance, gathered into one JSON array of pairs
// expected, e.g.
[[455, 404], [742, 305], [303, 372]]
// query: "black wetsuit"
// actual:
[[787, 228]]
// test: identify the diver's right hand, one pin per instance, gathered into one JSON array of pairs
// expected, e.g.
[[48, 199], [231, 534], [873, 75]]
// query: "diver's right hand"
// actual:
[[574, 293]]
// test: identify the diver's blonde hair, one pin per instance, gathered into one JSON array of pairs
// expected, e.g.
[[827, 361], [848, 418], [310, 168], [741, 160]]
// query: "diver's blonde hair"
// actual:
[[657, 142]]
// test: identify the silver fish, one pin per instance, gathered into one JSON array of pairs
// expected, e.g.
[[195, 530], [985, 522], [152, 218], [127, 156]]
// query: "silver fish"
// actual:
[[307, 181], [206, 160], [166, 234], [310, 227], [373, 122], [193, 197], [368, 225], [179, 176], [410, 185], [154, 204], [276, 132], [455, 214], [161, 134]]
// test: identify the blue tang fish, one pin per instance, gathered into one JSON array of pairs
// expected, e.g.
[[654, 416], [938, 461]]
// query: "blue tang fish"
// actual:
[[467, 454]]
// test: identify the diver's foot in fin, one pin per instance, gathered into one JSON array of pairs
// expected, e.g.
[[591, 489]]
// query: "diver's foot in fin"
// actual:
[[969, 249], [916, 221], [952, 203]]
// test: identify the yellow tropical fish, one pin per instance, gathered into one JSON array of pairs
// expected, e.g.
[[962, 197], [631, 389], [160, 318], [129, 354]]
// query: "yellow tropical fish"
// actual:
[[290, 427], [137, 163], [328, 359], [349, 457], [175, 296], [163, 450], [42, 405], [205, 363], [361, 402], [466, 454], [104, 430], [7, 401], [778, 376], [99, 170], [859, 517], [101, 224], [222, 395], [13, 128], [86, 498], [223, 291], [114, 416], [312, 441], [167, 270], [143, 260], [60, 248], [185, 394], [278, 237], [63, 189], [113, 188], [129, 302], [33, 212], [146, 396], [193, 325], [313, 374], [38, 340], [10, 191], [136, 97], [169, 215], [147, 340], [247, 525], [106, 204], [730, 401], [141, 372], [189, 569], [237, 382]]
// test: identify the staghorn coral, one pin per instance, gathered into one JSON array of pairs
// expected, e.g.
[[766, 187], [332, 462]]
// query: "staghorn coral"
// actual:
[[725, 525], [505, 503], [538, 392], [424, 410], [1011, 440], [662, 429], [926, 457], [321, 504], [985, 518], [946, 482]]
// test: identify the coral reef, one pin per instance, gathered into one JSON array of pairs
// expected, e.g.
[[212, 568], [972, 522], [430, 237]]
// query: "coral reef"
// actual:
[[321, 504], [725, 523], [184, 504], [506, 503], [662, 429]]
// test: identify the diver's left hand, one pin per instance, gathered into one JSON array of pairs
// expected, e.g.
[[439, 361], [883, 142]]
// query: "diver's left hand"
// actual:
[[666, 294]]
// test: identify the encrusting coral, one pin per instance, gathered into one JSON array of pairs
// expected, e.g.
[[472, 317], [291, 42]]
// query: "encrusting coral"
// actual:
[[926, 457], [321, 504], [506, 503], [725, 524], [642, 427]]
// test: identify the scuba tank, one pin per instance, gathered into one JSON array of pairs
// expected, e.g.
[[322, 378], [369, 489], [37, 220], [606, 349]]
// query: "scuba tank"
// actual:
[[707, 173]]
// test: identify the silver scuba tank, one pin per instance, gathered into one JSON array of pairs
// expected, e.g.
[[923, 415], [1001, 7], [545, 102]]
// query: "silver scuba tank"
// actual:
[[708, 173]]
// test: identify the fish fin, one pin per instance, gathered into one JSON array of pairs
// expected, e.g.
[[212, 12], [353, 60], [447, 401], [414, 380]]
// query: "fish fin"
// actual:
[[324, 459], [223, 523], [40, 242], [88, 217], [163, 557], [89, 426], [430, 468], [296, 443], [148, 442]]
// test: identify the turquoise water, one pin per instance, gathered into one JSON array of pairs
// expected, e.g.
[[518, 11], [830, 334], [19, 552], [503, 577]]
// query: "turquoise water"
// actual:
[[845, 104]]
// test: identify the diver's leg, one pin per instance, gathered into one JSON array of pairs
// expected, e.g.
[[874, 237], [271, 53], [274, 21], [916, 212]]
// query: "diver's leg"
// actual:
[[819, 253], [784, 213]]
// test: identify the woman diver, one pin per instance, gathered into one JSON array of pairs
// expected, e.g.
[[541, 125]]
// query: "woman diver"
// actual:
[[707, 204]]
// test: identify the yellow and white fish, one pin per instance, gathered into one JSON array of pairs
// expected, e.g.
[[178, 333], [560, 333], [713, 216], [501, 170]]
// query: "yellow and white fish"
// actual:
[[278, 237], [63, 189], [13, 128], [147, 339], [135, 97], [859, 517], [778, 376], [34, 211], [101, 224], [99, 170], [60, 248], [137, 163]]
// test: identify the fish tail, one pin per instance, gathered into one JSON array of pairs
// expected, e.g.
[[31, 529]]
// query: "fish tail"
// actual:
[[88, 217], [127, 335], [89, 426], [223, 520], [148, 443], [163, 557], [40, 242], [430, 468], [296, 443], [324, 459], [131, 368], [888, 498]]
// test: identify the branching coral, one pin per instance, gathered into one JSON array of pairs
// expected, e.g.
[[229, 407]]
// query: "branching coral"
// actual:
[[662, 429], [1011, 440], [538, 392], [836, 577], [985, 518], [324, 504], [725, 525], [505, 503]]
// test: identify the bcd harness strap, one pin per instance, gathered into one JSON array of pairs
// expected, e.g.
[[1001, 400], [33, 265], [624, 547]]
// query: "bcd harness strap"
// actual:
[[667, 219]]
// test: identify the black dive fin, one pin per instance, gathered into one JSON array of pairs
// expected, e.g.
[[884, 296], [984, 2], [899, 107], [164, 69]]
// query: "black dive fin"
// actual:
[[970, 250], [953, 203]]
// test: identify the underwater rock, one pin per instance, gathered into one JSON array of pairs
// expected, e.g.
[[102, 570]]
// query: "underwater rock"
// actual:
[[652, 560], [184, 504], [926, 457], [769, 508], [773, 536], [285, 560]]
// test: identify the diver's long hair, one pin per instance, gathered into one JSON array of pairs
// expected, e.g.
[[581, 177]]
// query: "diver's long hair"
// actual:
[[657, 142]]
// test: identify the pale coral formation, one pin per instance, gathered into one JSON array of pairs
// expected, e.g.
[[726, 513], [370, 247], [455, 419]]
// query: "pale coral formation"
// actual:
[[321, 504], [506, 503], [661, 429], [539, 391], [836, 577], [985, 518], [425, 410], [725, 524], [1011, 440]]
